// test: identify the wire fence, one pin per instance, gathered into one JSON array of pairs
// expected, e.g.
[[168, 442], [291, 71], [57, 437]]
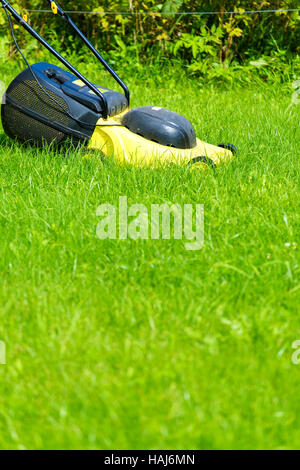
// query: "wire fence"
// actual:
[[177, 13]]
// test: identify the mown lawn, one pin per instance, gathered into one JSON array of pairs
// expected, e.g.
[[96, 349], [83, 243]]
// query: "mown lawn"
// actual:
[[143, 344]]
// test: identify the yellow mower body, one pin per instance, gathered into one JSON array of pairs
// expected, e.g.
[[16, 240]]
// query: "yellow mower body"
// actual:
[[112, 139]]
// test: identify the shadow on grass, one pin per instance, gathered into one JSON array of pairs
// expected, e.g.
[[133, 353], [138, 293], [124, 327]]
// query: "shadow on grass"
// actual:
[[63, 148], [4, 140]]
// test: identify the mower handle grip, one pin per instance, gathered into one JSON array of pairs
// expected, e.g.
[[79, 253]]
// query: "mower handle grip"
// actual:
[[55, 7]]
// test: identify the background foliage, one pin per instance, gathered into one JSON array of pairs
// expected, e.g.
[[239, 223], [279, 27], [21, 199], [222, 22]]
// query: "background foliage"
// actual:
[[206, 44]]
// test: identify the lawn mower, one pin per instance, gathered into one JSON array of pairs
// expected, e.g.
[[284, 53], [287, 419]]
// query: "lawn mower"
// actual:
[[47, 104]]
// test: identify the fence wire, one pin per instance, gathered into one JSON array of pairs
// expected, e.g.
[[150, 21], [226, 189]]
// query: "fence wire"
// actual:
[[174, 13]]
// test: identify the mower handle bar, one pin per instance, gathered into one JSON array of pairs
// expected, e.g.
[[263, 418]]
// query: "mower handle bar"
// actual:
[[37, 36], [57, 9]]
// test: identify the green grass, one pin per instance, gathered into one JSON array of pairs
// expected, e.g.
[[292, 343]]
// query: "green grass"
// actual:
[[142, 344]]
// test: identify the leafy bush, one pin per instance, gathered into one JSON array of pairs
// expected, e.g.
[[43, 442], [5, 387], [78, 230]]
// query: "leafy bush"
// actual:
[[204, 43]]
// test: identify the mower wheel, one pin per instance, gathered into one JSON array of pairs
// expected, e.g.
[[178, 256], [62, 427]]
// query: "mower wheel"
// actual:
[[230, 147], [202, 161]]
